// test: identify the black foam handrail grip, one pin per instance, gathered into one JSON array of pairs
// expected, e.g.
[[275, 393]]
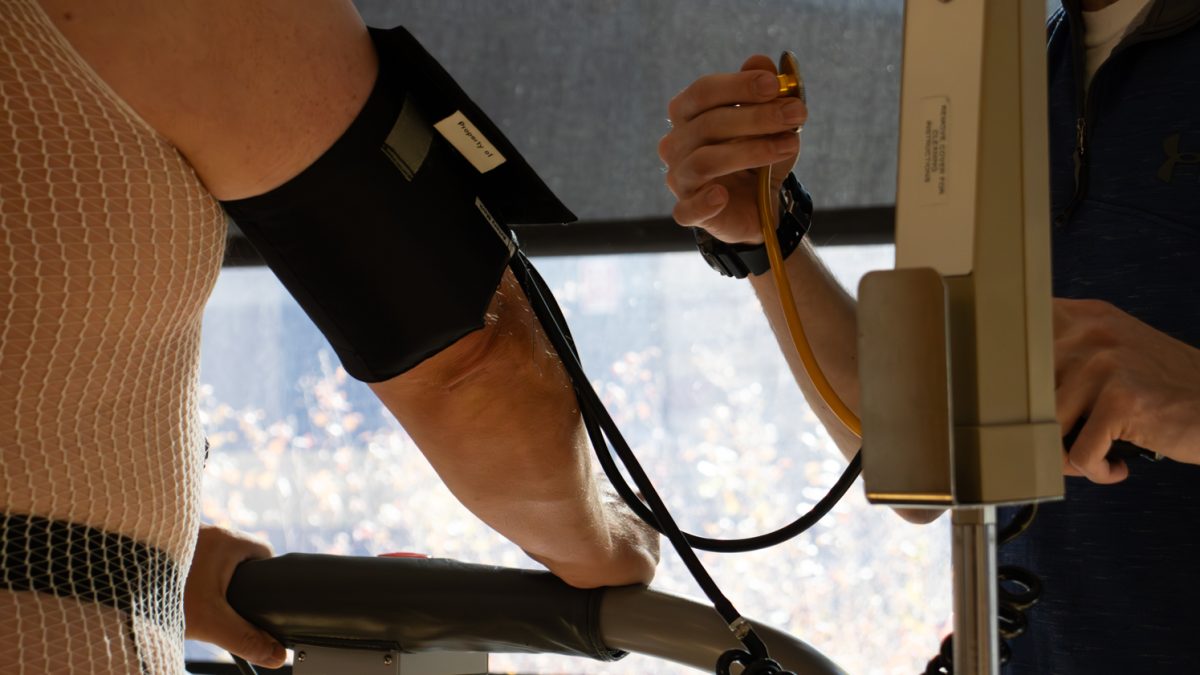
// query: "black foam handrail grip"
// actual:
[[417, 605]]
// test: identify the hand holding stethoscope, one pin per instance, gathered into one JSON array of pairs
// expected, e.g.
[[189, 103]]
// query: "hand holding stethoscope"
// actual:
[[724, 127]]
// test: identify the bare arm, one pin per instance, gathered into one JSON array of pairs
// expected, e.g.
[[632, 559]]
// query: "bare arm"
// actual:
[[830, 326], [251, 94], [497, 417]]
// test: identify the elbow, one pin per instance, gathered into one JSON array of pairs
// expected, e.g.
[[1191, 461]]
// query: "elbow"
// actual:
[[480, 355], [919, 516]]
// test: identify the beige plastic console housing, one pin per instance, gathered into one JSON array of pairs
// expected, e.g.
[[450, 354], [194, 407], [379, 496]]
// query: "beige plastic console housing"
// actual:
[[955, 344]]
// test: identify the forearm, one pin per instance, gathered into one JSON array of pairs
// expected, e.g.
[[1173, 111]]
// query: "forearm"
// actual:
[[827, 313], [497, 418]]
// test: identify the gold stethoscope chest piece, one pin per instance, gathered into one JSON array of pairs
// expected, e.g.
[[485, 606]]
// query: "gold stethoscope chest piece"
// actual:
[[791, 83]]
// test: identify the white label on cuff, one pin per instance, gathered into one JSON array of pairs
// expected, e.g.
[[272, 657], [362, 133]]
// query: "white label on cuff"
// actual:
[[469, 142]]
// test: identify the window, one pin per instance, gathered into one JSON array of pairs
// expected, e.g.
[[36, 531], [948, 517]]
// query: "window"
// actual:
[[581, 86], [306, 457], [684, 359]]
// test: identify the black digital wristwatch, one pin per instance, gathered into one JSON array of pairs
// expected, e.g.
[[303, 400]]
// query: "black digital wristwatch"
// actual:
[[741, 260]]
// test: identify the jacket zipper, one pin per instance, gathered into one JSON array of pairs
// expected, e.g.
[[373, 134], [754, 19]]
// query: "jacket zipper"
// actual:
[[1083, 98], [1082, 103]]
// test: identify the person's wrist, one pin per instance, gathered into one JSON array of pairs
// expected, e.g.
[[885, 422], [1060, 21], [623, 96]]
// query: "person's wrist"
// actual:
[[794, 215], [627, 553]]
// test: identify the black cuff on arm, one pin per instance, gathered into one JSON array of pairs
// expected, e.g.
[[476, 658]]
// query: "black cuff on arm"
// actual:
[[394, 240]]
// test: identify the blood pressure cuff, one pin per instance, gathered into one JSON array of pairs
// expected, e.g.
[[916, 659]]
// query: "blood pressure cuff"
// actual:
[[395, 239]]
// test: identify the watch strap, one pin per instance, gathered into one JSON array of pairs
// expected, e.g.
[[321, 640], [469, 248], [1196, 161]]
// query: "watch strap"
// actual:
[[742, 260]]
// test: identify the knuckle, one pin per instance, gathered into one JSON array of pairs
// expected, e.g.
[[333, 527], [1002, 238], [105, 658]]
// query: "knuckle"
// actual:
[[665, 144], [250, 644], [682, 215], [1098, 333], [787, 142], [1097, 317], [704, 164], [772, 116], [803, 113], [765, 149], [261, 549], [721, 128], [1122, 399], [673, 183], [702, 127], [1096, 307], [678, 105], [750, 83], [252, 545], [685, 171], [1095, 468], [1101, 364]]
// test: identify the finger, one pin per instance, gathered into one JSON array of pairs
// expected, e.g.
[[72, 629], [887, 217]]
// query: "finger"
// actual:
[[696, 210], [714, 161], [722, 89], [762, 62], [1089, 453], [723, 125], [229, 631], [1068, 350], [1082, 378], [253, 548], [1071, 345], [1063, 316], [700, 212], [759, 62], [1068, 468], [1086, 322], [1074, 396]]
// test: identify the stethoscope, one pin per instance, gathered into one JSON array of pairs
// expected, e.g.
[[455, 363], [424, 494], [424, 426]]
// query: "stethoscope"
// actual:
[[603, 432]]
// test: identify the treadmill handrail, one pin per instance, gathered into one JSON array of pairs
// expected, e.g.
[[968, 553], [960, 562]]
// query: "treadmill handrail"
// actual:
[[418, 605]]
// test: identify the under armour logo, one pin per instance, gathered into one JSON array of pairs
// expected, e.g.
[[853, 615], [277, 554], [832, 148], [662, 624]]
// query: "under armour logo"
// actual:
[[1174, 158]]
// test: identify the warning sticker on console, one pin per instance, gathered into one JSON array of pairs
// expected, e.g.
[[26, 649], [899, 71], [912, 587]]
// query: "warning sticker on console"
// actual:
[[935, 120], [470, 142]]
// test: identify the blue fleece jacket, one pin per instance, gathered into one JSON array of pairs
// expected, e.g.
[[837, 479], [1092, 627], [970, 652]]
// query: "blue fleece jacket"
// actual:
[[1121, 563]]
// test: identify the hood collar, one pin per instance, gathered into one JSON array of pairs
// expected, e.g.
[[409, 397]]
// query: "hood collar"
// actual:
[[1164, 18]]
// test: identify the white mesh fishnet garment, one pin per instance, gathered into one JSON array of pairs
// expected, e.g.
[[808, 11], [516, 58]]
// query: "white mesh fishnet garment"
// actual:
[[109, 246]]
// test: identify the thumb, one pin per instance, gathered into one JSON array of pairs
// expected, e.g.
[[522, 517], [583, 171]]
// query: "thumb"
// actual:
[[759, 62], [231, 632]]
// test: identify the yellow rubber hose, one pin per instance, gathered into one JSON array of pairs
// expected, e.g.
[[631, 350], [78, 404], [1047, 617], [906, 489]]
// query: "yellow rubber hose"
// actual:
[[795, 328]]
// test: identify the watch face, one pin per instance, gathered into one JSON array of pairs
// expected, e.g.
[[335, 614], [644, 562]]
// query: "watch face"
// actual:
[[796, 202], [708, 245], [713, 261]]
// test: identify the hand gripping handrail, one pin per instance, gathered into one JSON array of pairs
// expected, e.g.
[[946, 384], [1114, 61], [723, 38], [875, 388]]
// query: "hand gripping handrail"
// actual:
[[427, 605]]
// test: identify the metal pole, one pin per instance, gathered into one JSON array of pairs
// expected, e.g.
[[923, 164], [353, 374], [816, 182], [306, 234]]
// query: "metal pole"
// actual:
[[976, 632]]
